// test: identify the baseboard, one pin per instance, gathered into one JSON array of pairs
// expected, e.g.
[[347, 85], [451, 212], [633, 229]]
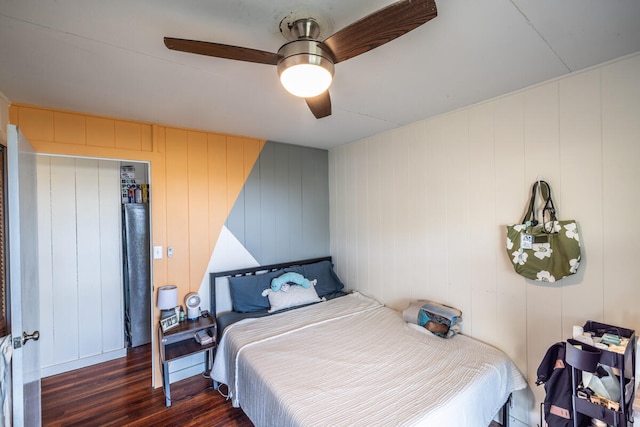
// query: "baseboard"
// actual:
[[48, 371]]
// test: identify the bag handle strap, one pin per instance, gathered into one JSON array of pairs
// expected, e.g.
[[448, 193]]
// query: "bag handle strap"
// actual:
[[530, 214], [548, 209]]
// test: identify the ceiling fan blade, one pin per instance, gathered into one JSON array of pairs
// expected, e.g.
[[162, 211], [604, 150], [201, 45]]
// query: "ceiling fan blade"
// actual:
[[320, 105], [222, 51], [380, 27]]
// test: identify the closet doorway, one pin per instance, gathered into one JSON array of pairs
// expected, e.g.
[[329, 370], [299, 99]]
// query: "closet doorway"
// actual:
[[82, 299], [136, 252]]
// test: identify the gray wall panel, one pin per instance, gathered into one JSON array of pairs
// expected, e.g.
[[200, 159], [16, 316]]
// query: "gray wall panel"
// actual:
[[282, 213], [296, 240], [251, 194], [267, 212], [315, 198]]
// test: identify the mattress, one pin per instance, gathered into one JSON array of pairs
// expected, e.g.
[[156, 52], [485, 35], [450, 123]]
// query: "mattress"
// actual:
[[352, 361]]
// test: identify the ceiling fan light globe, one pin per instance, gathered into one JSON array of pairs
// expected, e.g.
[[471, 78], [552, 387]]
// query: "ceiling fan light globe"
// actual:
[[306, 68], [306, 80]]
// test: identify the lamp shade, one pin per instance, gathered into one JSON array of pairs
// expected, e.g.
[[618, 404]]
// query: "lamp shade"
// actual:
[[305, 80], [167, 297]]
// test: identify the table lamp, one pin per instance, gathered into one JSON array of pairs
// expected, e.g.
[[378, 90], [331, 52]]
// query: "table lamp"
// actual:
[[167, 300]]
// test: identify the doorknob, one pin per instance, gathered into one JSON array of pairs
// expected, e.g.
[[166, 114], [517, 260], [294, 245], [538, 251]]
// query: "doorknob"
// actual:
[[26, 337]]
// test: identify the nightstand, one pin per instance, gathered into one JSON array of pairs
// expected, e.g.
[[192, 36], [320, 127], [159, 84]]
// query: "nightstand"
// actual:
[[180, 342]]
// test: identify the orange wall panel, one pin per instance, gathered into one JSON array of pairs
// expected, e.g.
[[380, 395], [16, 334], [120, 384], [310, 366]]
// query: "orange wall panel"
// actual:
[[198, 208], [146, 138], [36, 123], [101, 132], [158, 201], [218, 199], [69, 128], [128, 135], [177, 209]]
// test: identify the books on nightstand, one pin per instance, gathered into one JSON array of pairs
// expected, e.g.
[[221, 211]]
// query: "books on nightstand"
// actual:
[[203, 337]]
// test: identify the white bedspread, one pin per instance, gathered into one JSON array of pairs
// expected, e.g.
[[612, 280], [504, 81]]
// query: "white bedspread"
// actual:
[[353, 362]]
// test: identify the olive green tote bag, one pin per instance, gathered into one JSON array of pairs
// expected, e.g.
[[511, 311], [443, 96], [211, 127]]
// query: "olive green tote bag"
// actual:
[[545, 251]]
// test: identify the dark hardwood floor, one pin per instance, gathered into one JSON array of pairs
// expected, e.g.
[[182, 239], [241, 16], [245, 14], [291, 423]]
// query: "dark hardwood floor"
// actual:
[[119, 393]]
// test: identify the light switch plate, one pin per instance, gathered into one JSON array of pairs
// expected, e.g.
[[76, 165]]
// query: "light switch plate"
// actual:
[[157, 252]]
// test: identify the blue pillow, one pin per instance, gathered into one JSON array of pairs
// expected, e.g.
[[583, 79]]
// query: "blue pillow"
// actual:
[[295, 269], [246, 291], [328, 281]]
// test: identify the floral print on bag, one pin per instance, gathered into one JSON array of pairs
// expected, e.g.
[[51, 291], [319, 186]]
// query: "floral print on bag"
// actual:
[[542, 250], [572, 231], [545, 276], [520, 257], [547, 262]]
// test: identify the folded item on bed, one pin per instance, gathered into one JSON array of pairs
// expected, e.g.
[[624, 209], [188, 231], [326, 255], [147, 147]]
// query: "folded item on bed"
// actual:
[[440, 319]]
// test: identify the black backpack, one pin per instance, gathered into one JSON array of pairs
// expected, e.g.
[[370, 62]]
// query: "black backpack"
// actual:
[[555, 374]]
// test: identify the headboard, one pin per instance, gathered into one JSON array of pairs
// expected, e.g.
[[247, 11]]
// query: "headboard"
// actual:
[[251, 271]]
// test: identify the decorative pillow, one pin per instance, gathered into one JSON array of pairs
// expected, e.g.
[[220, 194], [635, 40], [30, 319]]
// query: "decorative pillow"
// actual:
[[294, 297], [437, 318], [246, 291], [289, 277], [328, 281]]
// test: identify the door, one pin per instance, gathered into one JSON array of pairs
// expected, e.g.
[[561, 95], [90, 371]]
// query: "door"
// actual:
[[23, 278], [80, 275]]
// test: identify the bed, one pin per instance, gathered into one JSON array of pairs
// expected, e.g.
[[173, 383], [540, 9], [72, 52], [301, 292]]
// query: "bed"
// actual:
[[350, 361]]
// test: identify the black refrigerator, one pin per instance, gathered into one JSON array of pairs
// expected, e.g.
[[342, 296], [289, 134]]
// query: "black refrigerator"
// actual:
[[137, 273]]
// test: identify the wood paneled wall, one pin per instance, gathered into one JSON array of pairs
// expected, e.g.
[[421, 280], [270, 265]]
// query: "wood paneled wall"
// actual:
[[420, 212], [195, 178]]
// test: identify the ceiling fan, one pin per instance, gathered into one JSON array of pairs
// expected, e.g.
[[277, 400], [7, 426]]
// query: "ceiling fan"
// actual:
[[316, 59]]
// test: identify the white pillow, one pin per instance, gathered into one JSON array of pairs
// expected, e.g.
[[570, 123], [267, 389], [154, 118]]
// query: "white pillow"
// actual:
[[295, 296]]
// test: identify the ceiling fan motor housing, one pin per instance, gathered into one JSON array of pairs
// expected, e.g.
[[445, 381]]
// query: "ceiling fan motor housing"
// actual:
[[305, 52], [303, 29]]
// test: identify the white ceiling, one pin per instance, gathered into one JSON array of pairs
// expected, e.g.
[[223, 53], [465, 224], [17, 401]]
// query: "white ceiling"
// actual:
[[108, 58]]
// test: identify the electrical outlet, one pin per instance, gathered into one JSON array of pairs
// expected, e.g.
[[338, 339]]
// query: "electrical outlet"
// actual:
[[157, 252]]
